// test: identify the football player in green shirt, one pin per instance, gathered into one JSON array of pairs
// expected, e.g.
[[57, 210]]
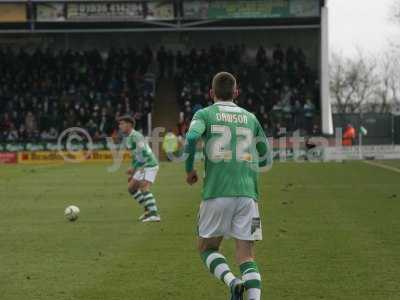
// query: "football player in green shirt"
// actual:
[[235, 150], [143, 170]]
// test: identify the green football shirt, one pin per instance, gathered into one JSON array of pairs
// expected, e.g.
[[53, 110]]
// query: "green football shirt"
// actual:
[[142, 155], [235, 147]]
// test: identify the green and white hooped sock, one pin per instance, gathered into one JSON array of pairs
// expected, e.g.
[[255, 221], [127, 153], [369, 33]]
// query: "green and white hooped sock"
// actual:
[[252, 280], [217, 264], [138, 196], [149, 203]]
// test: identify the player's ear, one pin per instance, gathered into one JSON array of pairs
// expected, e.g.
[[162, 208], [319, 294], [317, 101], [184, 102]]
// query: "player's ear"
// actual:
[[236, 93], [211, 94]]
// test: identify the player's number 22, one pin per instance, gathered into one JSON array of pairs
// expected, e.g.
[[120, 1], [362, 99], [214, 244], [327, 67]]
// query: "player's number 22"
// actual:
[[220, 147]]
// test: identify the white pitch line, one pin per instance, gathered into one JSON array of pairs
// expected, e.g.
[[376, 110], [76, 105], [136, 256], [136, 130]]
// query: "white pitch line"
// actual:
[[379, 165]]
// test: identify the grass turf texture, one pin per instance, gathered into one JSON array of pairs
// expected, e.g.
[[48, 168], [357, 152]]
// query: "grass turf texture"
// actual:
[[331, 232]]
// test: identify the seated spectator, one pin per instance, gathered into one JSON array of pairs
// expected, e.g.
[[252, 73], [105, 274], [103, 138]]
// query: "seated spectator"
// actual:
[[30, 122], [12, 133], [45, 135], [309, 111], [274, 91], [66, 88], [44, 92], [278, 55], [183, 127], [5, 122]]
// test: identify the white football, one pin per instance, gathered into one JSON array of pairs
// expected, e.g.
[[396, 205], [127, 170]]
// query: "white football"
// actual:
[[72, 213]]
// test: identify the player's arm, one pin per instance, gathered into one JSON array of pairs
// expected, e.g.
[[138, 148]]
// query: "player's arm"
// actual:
[[196, 130], [263, 148]]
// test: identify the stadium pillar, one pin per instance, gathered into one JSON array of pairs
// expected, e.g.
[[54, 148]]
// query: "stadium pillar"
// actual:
[[326, 110], [149, 124]]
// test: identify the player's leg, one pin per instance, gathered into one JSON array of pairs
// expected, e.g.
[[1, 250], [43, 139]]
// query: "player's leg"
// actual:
[[214, 261], [246, 228], [149, 201], [249, 269], [214, 221], [134, 189]]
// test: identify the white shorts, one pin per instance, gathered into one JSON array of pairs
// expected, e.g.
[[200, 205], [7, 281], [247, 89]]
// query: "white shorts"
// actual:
[[148, 174], [236, 217]]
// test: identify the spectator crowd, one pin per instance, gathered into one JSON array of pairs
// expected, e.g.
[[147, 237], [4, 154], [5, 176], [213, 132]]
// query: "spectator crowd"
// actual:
[[44, 92], [277, 85]]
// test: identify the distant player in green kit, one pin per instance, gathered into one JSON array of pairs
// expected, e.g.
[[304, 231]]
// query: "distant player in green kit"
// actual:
[[235, 149], [143, 171]]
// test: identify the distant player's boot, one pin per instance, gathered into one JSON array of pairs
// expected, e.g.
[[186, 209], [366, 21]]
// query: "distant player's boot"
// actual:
[[237, 289], [151, 217], [144, 216]]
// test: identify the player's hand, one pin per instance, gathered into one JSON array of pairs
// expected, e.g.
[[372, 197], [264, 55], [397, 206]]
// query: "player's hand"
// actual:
[[191, 177], [130, 171]]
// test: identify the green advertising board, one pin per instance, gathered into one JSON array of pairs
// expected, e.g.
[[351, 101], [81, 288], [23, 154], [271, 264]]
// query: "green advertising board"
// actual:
[[251, 9]]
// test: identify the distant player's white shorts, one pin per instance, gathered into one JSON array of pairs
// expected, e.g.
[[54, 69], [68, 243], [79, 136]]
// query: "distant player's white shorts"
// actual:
[[148, 174], [230, 217]]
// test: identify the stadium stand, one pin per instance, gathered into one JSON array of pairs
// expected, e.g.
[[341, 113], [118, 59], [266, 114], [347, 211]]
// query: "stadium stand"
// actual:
[[277, 85], [44, 92]]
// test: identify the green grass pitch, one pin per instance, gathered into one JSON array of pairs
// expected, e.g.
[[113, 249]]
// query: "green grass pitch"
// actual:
[[331, 231]]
